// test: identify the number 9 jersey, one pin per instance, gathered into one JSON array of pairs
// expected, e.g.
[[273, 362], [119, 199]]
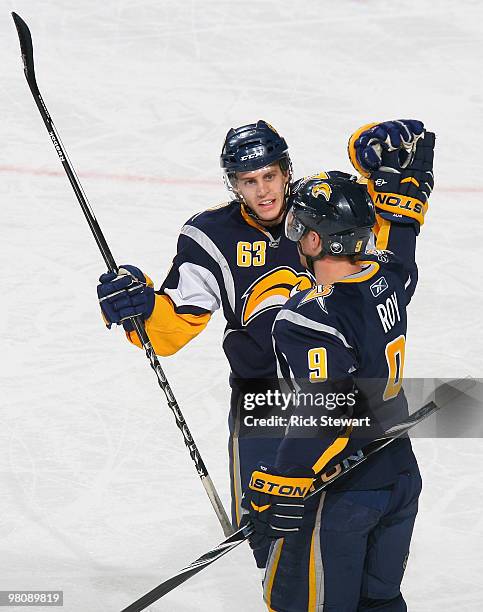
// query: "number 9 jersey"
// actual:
[[349, 339]]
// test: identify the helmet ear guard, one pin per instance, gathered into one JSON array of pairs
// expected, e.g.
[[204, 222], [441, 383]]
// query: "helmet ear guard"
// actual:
[[229, 178], [351, 243], [285, 164]]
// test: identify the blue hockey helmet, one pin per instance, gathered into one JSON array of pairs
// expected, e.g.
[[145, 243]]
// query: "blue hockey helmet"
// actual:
[[251, 147], [338, 209]]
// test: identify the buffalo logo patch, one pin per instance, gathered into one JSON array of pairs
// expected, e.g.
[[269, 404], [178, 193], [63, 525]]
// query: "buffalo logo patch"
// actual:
[[272, 290]]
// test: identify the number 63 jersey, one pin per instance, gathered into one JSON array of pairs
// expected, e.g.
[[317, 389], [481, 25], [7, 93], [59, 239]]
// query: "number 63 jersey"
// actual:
[[342, 348], [226, 260]]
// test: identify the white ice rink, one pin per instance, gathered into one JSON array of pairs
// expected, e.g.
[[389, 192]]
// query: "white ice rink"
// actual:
[[98, 496]]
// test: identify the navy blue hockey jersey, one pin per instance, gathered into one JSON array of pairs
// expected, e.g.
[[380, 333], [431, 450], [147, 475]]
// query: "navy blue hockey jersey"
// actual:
[[349, 338], [226, 260]]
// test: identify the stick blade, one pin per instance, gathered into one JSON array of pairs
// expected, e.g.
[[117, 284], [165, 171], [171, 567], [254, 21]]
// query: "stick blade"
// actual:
[[26, 47]]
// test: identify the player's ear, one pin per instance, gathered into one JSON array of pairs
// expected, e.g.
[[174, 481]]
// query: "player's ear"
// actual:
[[315, 242]]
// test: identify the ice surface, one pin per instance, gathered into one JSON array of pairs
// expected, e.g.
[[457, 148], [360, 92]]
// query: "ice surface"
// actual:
[[98, 495]]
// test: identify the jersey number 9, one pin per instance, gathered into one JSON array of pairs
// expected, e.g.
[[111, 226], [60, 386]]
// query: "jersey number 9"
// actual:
[[395, 350]]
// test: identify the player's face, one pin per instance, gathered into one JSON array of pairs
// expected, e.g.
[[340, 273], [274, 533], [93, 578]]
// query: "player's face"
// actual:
[[263, 191]]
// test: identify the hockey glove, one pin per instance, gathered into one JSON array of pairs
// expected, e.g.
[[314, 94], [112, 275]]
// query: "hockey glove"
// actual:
[[275, 504], [126, 294], [368, 143], [401, 193]]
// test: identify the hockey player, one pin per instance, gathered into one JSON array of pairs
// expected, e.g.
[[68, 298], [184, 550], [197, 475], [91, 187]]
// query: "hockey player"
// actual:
[[346, 549], [237, 258], [234, 257]]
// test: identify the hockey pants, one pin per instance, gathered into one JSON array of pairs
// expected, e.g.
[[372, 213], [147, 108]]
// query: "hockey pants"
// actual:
[[350, 555], [245, 454]]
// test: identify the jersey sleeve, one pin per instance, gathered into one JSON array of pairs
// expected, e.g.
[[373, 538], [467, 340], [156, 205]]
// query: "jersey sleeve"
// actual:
[[400, 239], [397, 234], [193, 282], [187, 298], [317, 362], [169, 330]]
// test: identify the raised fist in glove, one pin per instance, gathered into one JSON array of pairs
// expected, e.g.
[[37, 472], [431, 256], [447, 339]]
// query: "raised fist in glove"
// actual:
[[275, 503], [128, 293], [400, 175], [368, 144]]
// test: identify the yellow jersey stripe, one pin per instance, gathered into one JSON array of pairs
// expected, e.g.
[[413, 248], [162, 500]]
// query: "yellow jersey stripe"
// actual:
[[382, 233], [271, 578], [334, 449], [372, 270], [312, 576]]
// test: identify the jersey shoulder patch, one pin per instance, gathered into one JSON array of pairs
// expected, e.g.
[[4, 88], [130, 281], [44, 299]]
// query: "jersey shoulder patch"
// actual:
[[314, 303], [389, 264], [318, 296], [383, 257]]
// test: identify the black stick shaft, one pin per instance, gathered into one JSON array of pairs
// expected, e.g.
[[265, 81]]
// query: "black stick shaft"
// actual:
[[191, 570], [26, 48], [323, 479]]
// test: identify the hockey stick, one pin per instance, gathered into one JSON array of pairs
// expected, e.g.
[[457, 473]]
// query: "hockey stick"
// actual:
[[321, 481], [26, 49]]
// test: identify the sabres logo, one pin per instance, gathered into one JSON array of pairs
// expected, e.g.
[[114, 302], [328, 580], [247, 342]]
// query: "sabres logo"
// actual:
[[302, 182], [272, 290], [323, 189], [319, 293]]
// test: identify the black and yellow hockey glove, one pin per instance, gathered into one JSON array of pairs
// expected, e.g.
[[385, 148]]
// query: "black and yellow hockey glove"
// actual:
[[367, 144], [403, 193], [275, 503], [397, 159], [125, 294]]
